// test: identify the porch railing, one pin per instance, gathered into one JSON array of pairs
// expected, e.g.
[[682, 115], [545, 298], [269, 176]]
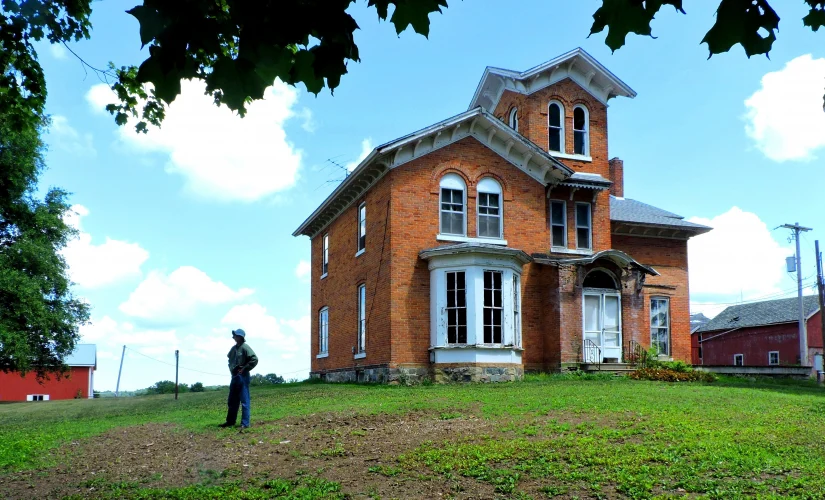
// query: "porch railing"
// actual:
[[592, 353], [635, 354]]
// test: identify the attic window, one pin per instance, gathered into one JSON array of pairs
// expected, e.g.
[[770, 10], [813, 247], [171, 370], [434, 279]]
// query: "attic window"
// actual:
[[555, 123], [514, 119], [581, 131]]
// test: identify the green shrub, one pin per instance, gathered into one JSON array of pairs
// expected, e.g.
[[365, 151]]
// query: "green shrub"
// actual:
[[196, 387], [669, 375]]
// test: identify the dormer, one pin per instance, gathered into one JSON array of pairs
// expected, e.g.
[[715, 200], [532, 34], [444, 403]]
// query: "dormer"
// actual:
[[560, 105]]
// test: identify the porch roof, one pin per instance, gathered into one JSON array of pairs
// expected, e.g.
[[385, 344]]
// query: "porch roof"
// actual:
[[618, 257], [474, 247]]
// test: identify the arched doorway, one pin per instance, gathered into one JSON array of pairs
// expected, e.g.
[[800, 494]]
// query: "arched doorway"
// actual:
[[602, 317]]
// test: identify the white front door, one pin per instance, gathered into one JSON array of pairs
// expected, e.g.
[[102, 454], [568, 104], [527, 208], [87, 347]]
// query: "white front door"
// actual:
[[602, 326]]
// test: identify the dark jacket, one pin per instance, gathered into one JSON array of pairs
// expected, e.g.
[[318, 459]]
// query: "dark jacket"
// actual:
[[242, 355]]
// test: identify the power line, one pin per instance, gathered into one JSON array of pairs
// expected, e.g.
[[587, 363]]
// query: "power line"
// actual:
[[199, 371], [754, 299]]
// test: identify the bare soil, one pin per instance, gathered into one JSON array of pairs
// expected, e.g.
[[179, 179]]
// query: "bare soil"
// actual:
[[334, 447]]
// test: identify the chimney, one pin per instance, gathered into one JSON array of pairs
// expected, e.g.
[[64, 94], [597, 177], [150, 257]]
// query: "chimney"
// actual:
[[616, 169]]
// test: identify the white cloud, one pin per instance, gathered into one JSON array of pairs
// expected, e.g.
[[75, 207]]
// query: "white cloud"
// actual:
[[64, 137], [99, 265], [302, 271], [174, 298], [366, 149], [785, 117], [259, 325], [58, 51], [738, 259], [220, 155]]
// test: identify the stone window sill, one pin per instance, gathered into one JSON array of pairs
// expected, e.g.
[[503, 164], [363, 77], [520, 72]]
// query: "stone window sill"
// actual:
[[465, 239], [360, 355], [569, 156], [322, 355]]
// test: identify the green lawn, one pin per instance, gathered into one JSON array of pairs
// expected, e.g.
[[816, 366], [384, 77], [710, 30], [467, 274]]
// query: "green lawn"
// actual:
[[548, 436]]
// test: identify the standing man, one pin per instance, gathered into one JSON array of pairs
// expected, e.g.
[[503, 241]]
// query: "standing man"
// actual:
[[242, 359]]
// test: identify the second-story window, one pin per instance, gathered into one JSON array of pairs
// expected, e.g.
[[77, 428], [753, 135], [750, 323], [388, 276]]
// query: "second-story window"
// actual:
[[514, 119], [362, 227], [581, 131], [583, 226], [555, 122], [489, 208], [453, 208], [325, 256], [558, 224]]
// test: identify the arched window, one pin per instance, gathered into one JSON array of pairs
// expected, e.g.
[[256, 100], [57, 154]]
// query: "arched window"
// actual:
[[555, 122], [453, 206], [514, 119], [598, 278], [581, 131], [489, 209]]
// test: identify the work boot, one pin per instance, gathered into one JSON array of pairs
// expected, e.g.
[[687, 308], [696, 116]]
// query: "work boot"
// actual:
[[225, 425]]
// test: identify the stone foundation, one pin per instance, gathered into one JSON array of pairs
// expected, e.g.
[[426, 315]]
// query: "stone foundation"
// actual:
[[405, 375], [447, 374], [411, 375]]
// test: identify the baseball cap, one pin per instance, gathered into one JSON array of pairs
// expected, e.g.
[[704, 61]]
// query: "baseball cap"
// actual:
[[239, 333]]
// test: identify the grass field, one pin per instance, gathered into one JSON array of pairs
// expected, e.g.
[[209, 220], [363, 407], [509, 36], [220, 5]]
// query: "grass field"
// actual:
[[550, 436]]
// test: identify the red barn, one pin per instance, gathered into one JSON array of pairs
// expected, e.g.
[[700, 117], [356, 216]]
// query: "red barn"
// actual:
[[758, 334], [78, 383]]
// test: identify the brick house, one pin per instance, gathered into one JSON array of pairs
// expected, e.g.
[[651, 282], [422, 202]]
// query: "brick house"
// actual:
[[759, 334], [497, 241], [76, 384]]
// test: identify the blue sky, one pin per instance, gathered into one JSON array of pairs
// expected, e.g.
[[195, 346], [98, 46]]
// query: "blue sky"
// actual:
[[186, 232]]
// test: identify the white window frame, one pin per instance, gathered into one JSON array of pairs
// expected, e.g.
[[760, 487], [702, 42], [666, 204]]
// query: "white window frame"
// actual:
[[454, 182], [488, 185], [493, 307], [457, 307], [741, 359], [516, 279], [769, 358], [589, 226], [325, 255], [361, 346], [37, 397], [513, 120], [362, 228], [561, 127], [668, 326], [564, 222], [323, 332], [585, 131]]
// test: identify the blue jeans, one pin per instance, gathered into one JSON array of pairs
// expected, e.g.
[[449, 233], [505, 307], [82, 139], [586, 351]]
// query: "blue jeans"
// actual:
[[239, 396]]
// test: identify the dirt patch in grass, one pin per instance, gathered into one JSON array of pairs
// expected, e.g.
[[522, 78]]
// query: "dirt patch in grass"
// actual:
[[359, 452]]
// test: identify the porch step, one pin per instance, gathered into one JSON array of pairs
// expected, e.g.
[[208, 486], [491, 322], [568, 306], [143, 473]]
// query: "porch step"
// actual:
[[618, 368]]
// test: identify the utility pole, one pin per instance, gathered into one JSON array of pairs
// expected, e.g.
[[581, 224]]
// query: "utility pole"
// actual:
[[117, 387], [820, 287], [803, 339], [176, 373]]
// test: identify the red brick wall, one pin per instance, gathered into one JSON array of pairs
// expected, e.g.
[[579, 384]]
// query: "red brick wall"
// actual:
[[339, 289], [669, 259], [415, 226], [533, 122], [13, 387]]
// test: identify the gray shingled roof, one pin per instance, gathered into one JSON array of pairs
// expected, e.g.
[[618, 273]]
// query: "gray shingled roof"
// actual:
[[632, 211], [768, 312]]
